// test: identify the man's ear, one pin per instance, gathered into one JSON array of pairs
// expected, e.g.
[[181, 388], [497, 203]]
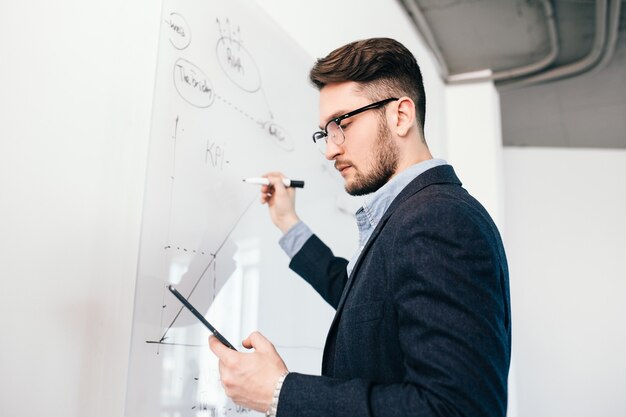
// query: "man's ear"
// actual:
[[405, 116]]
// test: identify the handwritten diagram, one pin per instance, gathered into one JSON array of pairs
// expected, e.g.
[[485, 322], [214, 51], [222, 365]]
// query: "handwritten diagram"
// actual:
[[195, 87], [180, 36], [221, 113]]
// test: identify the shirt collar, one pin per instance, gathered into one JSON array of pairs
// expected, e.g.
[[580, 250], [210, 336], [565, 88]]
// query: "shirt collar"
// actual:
[[376, 204]]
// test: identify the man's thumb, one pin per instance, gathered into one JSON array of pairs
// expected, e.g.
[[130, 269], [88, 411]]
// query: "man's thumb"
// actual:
[[257, 341]]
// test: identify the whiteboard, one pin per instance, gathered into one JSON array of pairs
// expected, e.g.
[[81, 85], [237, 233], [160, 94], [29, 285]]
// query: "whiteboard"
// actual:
[[232, 100]]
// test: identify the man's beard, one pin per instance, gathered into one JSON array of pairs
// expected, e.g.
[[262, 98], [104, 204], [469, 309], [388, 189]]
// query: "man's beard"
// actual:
[[384, 166]]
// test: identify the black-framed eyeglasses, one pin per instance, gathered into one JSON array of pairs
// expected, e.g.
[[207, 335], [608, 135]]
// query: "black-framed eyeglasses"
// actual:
[[333, 128]]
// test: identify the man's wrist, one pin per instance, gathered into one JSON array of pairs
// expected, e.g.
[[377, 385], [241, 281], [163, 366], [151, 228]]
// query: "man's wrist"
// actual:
[[287, 224], [293, 241], [273, 409]]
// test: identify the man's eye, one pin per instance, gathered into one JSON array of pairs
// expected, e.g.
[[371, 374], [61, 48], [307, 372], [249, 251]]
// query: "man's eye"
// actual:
[[345, 126]]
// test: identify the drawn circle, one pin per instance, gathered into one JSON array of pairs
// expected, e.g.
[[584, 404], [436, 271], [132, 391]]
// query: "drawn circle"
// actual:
[[179, 31], [238, 64], [279, 136], [192, 84]]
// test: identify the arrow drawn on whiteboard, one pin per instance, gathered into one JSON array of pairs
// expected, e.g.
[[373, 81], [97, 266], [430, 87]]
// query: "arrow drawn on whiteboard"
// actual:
[[237, 63], [156, 342], [195, 87], [175, 139]]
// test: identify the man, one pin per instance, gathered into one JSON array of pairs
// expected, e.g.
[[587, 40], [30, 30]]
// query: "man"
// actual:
[[422, 324]]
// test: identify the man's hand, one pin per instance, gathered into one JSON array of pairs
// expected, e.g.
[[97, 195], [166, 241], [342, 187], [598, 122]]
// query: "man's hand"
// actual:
[[249, 379], [281, 202]]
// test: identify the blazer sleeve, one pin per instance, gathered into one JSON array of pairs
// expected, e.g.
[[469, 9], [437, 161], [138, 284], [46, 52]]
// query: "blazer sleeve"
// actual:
[[453, 327], [318, 266]]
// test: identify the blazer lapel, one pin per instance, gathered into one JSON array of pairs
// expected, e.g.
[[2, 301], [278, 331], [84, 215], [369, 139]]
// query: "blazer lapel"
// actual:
[[438, 175]]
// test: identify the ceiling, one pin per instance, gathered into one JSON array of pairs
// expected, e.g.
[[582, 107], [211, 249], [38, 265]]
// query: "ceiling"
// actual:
[[558, 65]]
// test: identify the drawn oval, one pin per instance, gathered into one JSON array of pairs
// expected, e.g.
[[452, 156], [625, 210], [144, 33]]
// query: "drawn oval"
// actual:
[[192, 84], [179, 31], [238, 64], [279, 136]]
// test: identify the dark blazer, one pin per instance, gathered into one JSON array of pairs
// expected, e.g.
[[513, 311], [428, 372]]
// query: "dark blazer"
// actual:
[[423, 325]]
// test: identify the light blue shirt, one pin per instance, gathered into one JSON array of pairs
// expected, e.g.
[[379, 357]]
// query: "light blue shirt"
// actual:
[[368, 216]]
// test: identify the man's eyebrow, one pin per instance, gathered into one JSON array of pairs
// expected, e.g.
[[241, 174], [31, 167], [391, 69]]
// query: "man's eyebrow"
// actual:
[[334, 116]]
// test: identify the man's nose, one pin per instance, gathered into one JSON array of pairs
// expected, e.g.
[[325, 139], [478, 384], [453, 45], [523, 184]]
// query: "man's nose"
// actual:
[[333, 150]]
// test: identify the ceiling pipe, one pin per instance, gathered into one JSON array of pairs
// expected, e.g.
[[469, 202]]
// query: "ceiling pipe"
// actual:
[[423, 27], [523, 70], [485, 74], [614, 16], [577, 67]]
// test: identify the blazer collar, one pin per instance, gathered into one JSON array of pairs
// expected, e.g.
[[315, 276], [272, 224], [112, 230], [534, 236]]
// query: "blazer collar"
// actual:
[[443, 174]]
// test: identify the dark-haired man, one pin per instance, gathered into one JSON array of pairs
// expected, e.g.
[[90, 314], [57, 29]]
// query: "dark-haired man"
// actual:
[[422, 324]]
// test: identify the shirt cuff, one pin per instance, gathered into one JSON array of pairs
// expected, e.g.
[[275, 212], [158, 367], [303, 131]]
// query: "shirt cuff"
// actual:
[[295, 238]]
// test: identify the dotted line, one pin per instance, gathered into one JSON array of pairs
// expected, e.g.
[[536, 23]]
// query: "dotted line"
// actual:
[[178, 248], [238, 109]]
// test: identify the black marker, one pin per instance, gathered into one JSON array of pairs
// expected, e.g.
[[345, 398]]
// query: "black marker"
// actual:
[[200, 317]]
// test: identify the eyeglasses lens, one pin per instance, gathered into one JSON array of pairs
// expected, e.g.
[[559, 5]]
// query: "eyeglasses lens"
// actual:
[[321, 144], [335, 133]]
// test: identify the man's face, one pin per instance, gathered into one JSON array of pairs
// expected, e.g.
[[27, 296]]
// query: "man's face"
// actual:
[[368, 157]]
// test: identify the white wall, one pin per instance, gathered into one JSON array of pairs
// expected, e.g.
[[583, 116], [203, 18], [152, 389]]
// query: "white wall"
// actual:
[[76, 80], [474, 143], [566, 240]]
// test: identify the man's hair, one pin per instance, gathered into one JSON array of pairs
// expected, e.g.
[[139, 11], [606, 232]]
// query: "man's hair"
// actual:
[[383, 67]]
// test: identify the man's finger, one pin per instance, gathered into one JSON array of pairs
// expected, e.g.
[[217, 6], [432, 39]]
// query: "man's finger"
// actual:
[[219, 349], [276, 182]]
